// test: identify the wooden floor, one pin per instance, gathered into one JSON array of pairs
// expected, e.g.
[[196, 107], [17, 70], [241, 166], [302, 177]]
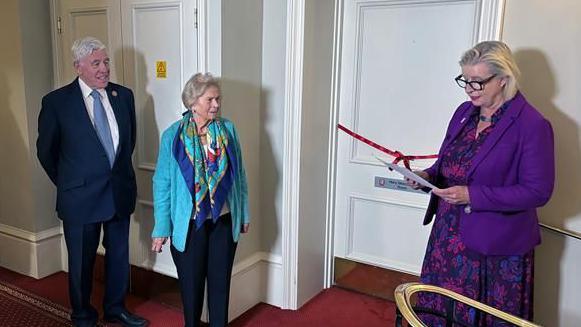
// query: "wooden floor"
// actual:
[[369, 279]]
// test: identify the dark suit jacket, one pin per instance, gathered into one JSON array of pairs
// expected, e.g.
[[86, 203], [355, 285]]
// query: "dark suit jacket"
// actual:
[[88, 189], [512, 174]]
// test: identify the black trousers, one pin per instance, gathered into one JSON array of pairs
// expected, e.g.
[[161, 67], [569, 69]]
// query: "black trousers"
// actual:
[[82, 242], [209, 255]]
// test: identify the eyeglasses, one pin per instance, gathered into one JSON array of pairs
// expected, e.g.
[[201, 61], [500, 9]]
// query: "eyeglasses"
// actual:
[[475, 85]]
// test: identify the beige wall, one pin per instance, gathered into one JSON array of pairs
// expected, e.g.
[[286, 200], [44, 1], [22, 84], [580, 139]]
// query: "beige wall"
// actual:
[[38, 80], [16, 200], [546, 40], [25, 75], [272, 123], [241, 89], [545, 37]]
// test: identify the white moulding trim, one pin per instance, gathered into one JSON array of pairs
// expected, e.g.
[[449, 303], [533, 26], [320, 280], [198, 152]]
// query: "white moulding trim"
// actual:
[[203, 34], [239, 268], [491, 20], [30, 236], [145, 203], [292, 149], [332, 151]]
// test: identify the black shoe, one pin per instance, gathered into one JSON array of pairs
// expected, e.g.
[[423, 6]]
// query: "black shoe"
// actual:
[[127, 319]]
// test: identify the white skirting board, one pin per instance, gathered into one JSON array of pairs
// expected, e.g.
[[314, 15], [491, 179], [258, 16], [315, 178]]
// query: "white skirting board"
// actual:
[[256, 279], [33, 254]]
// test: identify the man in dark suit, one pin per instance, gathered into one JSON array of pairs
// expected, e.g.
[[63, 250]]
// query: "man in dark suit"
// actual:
[[86, 135]]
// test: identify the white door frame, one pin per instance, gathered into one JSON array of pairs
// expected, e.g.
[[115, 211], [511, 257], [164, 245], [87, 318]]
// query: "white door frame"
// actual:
[[209, 21], [292, 150], [332, 151]]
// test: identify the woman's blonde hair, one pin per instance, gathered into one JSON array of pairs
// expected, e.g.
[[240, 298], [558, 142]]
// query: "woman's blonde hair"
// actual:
[[196, 86], [500, 61]]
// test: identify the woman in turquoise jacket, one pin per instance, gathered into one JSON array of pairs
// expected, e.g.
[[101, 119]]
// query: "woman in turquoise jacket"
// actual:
[[201, 200]]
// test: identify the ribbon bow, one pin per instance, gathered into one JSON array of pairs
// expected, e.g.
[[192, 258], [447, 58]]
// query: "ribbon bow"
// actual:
[[397, 154]]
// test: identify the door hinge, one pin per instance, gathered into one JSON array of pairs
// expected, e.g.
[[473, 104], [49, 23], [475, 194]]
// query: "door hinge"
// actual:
[[196, 18], [59, 27]]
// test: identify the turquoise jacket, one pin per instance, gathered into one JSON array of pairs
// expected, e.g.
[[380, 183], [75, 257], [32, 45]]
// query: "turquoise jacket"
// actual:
[[172, 201]]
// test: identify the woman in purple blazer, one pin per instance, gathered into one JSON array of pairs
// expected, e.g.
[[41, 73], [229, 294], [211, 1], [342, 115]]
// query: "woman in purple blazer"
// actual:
[[495, 167]]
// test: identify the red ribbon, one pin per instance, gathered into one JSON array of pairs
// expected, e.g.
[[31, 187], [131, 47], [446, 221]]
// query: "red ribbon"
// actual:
[[398, 155]]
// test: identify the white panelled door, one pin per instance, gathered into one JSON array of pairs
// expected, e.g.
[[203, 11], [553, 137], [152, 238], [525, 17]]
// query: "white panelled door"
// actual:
[[158, 35], [398, 62]]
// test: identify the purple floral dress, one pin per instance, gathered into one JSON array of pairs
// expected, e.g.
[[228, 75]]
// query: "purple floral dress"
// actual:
[[503, 282]]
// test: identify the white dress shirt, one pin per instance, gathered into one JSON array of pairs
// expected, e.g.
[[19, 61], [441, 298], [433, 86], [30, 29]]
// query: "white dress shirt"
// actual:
[[86, 90]]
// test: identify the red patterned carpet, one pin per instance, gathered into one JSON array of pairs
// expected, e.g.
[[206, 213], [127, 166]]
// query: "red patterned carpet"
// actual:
[[22, 308], [54, 289], [333, 307]]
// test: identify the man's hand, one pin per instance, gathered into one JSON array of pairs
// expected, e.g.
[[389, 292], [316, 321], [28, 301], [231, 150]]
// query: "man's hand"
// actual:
[[245, 228]]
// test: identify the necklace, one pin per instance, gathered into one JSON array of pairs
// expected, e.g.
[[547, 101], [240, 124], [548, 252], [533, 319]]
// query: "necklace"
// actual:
[[485, 119]]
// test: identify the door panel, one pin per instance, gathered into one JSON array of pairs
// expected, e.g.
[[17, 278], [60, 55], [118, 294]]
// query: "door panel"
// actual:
[[371, 235], [405, 71], [399, 59]]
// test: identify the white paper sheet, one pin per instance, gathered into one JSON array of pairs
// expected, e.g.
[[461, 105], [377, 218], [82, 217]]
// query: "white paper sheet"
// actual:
[[407, 173]]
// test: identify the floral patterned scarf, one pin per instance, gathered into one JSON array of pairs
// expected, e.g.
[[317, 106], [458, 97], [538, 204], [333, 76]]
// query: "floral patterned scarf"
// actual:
[[207, 172]]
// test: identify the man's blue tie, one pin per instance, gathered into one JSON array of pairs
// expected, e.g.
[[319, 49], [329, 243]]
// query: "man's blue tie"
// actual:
[[102, 126]]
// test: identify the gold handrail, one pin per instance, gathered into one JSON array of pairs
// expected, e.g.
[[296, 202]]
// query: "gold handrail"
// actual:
[[561, 231], [404, 292]]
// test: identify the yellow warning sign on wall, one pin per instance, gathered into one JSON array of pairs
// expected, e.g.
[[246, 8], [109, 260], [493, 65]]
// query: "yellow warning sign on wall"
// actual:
[[161, 69]]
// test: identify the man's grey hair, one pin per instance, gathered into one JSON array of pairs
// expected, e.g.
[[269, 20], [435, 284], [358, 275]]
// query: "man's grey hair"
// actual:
[[84, 47]]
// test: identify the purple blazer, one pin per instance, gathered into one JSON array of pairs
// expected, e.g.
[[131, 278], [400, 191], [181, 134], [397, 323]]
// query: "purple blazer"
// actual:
[[512, 174]]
